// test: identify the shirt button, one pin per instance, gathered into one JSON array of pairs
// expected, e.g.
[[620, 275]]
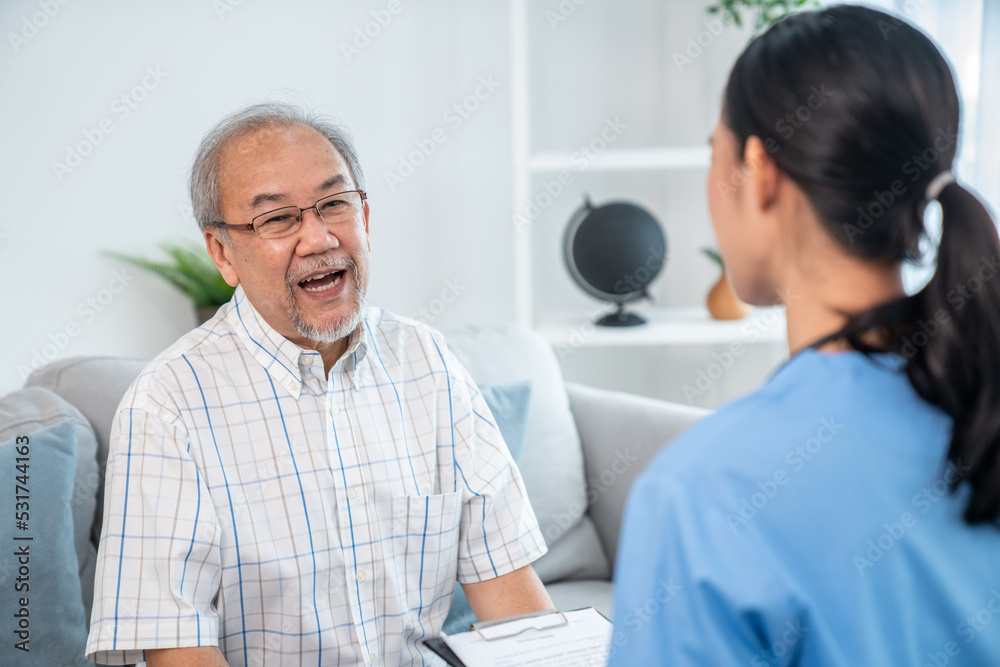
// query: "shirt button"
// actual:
[[307, 359], [335, 409], [293, 387], [373, 657], [352, 493], [361, 576]]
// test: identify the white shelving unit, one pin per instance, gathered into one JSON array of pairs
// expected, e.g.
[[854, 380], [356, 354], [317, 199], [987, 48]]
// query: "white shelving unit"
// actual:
[[628, 159], [666, 326]]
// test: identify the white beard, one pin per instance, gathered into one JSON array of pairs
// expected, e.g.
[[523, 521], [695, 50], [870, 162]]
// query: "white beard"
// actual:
[[341, 328]]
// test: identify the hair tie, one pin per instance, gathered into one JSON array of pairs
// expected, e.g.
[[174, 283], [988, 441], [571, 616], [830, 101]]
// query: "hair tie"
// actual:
[[939, 183]]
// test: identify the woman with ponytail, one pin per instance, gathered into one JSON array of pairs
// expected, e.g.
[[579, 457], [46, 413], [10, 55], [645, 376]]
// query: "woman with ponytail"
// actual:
[[847, 512]]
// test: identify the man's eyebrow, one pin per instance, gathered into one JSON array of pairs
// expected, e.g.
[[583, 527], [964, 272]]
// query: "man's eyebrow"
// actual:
[[339, 179], [266, 197]]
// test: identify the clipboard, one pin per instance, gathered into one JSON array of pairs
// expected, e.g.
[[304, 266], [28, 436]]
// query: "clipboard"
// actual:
[[438, 645], [490, 631]]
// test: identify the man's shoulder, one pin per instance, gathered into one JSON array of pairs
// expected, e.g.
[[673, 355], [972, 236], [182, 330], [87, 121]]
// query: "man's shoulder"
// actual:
[[165, 373], [388, 327]]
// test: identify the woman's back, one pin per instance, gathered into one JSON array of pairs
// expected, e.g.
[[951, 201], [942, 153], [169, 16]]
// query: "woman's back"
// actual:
[[847, 513], [811, 524]]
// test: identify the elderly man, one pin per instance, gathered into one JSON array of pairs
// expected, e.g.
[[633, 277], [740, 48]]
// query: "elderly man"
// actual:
[[301, 480]]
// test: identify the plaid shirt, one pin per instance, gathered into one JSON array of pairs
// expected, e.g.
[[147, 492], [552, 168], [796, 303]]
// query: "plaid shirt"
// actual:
[[294, 519]]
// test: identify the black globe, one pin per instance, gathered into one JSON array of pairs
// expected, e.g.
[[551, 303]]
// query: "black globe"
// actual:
[[614, 252]]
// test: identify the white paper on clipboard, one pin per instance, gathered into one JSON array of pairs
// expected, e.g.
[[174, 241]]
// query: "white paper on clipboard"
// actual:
[[580, 638]]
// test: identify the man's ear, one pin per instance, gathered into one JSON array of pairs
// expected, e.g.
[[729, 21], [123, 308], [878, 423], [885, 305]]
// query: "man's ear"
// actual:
[[367, 233], [764, 173], [220, 250]]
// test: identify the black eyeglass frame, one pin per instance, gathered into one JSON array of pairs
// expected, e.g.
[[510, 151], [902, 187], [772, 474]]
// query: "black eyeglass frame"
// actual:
[[315, 207]]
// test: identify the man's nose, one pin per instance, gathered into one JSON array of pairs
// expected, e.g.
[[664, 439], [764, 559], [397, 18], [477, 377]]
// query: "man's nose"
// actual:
[[315, 236]]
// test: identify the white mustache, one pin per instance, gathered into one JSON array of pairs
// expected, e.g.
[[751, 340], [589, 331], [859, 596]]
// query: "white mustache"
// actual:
[[330, 263]]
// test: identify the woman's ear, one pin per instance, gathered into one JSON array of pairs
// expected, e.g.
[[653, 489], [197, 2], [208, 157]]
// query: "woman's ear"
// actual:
[[764, 173]]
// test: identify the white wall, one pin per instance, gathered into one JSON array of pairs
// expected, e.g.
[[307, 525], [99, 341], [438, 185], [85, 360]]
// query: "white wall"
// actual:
[[448, 224]]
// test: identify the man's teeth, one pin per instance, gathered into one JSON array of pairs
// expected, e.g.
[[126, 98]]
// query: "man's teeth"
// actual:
[[320, 288]]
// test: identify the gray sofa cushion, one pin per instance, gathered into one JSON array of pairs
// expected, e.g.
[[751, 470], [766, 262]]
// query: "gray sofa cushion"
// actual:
[[35, 408], [95, 385], [621, 434], [552, 463], [596, 593]]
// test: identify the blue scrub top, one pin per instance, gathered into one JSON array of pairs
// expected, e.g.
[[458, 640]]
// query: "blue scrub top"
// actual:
[[809, 523]]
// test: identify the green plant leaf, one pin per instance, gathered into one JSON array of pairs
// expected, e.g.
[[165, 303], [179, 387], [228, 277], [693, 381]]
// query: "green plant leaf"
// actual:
[[191, 271], [767, 12], [715, 256]]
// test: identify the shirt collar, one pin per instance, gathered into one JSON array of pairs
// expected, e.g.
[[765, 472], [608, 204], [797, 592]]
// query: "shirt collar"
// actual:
[[281, 358]]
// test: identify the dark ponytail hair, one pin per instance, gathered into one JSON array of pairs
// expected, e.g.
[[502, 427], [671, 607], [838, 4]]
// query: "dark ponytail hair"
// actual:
[[860, 110]]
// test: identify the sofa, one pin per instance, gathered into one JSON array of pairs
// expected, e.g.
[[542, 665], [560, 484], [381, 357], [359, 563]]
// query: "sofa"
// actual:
[[583, 447]]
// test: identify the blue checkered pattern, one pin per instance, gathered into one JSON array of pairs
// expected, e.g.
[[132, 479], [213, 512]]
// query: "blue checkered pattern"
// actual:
[[293, 519]]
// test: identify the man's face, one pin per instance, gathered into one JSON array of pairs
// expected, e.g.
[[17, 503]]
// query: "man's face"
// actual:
[[281, 166]]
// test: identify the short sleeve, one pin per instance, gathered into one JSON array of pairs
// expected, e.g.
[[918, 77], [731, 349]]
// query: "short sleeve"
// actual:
[[690, 590], [498, 532], [158, 567]]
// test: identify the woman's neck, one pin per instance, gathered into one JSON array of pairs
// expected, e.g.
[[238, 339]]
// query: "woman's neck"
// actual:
[[821, 303]]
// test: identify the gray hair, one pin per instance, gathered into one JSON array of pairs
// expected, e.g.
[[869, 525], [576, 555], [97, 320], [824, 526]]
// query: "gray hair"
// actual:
[[204, 184]]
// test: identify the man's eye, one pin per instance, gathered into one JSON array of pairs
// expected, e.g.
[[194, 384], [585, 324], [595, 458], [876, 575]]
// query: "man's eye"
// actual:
[[334, 205], [282, 218]]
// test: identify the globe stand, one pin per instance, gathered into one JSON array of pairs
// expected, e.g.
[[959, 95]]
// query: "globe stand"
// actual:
[[620, 318]]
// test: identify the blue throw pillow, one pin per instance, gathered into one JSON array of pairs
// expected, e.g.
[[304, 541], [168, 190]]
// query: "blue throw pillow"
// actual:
[[509, 403], [42, 609]]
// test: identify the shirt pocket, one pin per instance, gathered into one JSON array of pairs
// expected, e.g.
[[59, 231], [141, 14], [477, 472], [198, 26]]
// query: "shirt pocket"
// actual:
[[423, 549]]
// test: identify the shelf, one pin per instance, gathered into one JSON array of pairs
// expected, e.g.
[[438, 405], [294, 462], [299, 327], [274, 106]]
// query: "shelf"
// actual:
[[624, 159], [666, 326]]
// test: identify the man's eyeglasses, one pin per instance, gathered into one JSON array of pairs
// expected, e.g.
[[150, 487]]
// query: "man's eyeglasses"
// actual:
[[286, 220]]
